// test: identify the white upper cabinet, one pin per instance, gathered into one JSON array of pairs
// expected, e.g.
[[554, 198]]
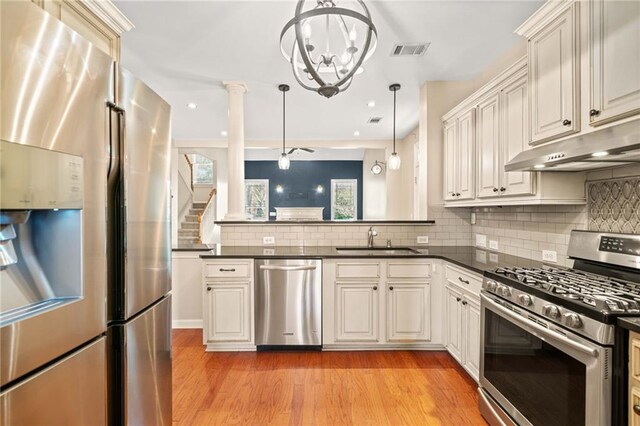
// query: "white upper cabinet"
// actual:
[[459, 149], [515, 137], [488, 147], [554, 70], [614, 53]]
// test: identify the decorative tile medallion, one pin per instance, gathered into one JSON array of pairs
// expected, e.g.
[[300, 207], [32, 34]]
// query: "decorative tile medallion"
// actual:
[[614, 205]]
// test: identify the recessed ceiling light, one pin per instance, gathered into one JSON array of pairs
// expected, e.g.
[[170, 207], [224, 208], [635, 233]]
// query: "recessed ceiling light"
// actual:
[[600, 154], [192, 105], [539, 166], [371, 104], [224, 133], [356, 133]]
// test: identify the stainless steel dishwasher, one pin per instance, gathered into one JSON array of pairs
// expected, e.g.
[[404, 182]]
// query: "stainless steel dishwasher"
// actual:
[[288, 303]]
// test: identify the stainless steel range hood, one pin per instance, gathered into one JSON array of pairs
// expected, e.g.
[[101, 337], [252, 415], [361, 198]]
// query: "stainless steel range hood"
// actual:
[[610, 147]]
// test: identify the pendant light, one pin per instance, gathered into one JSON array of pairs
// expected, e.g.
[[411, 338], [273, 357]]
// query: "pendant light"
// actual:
[[394, 160], [283, 162]]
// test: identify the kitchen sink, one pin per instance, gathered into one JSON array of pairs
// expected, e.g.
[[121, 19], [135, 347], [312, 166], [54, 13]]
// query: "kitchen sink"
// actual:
[[376, 251]]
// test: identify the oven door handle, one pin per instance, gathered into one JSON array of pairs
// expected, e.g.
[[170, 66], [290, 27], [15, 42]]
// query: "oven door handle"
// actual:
[[543, 331]]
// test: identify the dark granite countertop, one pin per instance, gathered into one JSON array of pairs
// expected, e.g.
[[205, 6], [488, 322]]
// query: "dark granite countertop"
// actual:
[[469, 257], [630, 323], [325, 222], [193, 247]]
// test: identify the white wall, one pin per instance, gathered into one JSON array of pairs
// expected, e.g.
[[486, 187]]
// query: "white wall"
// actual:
[[186, 294], [374, 197]]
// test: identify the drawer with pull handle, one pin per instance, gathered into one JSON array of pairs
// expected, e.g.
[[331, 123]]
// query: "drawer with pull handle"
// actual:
[[464, 279], [227, 270]]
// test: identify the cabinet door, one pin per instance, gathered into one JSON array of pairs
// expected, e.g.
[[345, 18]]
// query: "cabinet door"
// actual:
[[408, 311], [553, 71], [488, 147], [514, 137], [228, 309], [357, 312], [465, 155], [615, 60], [453, 336], [450, 166], [472, 338]]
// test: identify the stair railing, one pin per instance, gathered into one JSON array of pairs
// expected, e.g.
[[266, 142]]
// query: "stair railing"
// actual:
[[190, 163], [206, 219]]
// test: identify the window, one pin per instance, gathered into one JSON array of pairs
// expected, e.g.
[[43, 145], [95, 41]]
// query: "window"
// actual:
[[256, 199], [202, 170], [344, 196]]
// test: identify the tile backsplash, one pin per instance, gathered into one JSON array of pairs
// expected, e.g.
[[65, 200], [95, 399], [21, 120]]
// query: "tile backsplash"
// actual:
[[525, 231], [452, 227], [614, 205]]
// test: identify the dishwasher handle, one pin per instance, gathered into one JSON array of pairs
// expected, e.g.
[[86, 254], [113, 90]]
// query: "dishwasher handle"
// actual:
[[288, 268]]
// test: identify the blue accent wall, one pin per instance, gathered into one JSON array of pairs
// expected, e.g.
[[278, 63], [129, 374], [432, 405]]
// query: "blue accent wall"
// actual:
[[302, 179]]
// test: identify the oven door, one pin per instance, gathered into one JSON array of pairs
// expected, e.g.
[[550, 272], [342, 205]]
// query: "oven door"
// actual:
[[539, 373]]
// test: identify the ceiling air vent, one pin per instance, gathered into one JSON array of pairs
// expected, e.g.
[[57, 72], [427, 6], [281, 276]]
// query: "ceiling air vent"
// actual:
[[374, 120], [410, 49]]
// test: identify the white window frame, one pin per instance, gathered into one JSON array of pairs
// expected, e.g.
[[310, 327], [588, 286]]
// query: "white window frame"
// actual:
[[354, 182], [196, 165], [265, 182]]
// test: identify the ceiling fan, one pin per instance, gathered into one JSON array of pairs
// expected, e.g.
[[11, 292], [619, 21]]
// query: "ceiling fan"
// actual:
[[309, 150]]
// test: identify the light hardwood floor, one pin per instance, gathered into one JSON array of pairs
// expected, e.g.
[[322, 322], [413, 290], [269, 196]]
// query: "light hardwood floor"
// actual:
[[323, 388]]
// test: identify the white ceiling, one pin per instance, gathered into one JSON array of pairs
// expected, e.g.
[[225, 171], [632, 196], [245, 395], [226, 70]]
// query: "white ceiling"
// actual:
[[319, 154], [185, 49]]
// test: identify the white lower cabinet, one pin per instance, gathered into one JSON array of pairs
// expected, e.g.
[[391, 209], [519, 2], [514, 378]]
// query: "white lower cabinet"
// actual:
[[357, 312], [408, 311], [462, 337], [370, 303], [453, 336], [228, 305], [229, 319]]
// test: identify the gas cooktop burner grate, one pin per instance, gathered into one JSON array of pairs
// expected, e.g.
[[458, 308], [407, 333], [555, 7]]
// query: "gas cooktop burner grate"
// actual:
[[600, 292]]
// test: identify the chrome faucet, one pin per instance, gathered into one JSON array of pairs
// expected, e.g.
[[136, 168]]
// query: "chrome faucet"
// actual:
[[372, 233]]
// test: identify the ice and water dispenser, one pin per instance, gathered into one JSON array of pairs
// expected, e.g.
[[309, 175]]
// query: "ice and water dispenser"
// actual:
[[41, 201]]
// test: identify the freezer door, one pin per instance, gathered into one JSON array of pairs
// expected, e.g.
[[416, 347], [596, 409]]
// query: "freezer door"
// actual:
[[146, 181], [70, 392], [140, 368], [54, 86]]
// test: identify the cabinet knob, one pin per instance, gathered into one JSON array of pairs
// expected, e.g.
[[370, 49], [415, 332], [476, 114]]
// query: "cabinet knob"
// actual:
[[458, 299], [464, 302], [495, 189], [636, 409], [566, 123], [594, 112], [375, 287], [457, 194], [502, 189], [208, 288], [391, 288]]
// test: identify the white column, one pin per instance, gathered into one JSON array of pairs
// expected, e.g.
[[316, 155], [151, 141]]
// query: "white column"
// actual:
[[235, 149]]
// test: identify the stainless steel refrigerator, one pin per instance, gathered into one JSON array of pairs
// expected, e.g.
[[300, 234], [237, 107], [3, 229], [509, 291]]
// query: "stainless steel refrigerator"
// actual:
[[84, 232]]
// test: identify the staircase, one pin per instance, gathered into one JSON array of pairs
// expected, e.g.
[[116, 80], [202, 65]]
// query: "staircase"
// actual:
[[190, 227]]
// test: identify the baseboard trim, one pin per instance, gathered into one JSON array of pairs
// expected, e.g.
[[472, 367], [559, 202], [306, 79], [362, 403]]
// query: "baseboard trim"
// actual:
[[390, 347], [186, 324]]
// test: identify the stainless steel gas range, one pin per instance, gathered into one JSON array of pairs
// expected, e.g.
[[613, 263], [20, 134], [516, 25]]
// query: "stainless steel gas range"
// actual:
[[551, 353]]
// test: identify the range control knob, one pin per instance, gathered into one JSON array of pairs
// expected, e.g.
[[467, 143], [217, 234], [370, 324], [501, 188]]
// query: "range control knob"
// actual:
[[525, 300], [491, 286], [504, 291], [572, 320], [551, 311]]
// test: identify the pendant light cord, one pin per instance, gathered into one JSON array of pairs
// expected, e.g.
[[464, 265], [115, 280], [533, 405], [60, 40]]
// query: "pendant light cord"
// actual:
[[394, 121], [284, 122]]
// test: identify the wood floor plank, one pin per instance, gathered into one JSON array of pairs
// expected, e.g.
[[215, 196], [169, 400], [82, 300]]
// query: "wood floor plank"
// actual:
[[318, 388]]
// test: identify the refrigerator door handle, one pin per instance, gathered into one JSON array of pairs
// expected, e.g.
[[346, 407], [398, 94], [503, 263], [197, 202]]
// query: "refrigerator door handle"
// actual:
[[115, 135]]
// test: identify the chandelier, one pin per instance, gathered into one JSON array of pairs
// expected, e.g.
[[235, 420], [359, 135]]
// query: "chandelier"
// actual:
[[327, 44]]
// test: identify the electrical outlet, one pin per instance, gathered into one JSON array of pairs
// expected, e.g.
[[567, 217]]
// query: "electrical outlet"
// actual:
[[493, 244], [268, 241], [268, 251], [549, 256], [423, 239], [481, 240]]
